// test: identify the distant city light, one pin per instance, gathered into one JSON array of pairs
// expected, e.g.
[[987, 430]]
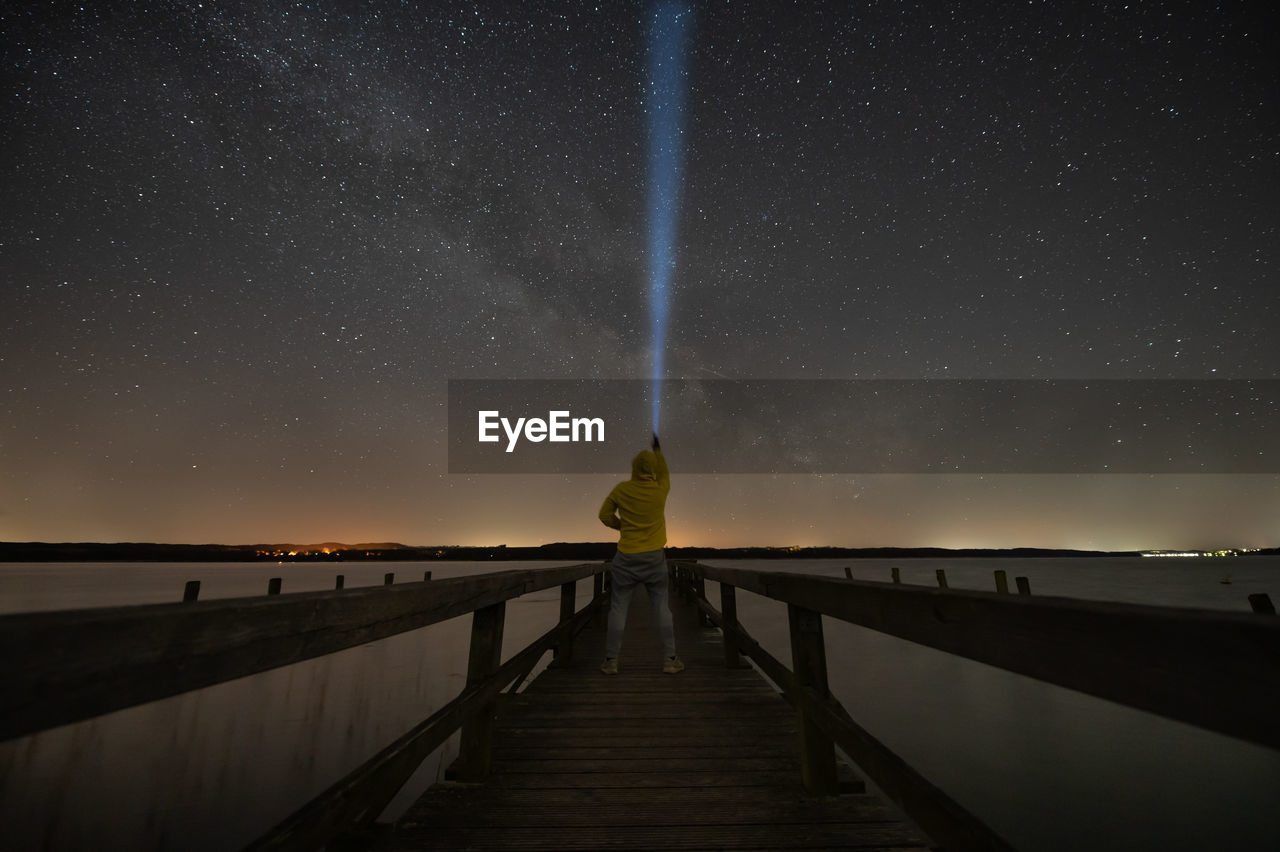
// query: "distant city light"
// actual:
[[1233, 551]]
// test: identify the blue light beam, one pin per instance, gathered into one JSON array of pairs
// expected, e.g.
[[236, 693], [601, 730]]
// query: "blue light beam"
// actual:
[[665, 95]]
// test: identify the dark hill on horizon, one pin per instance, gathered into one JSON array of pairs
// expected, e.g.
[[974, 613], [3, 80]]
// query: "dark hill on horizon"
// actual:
[[577, 551]]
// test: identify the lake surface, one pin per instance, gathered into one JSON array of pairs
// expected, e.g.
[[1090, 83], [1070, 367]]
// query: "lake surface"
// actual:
[[1048, 768]]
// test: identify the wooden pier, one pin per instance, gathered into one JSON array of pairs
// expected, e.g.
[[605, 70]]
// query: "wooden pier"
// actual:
[[711, 758], [704, 759]]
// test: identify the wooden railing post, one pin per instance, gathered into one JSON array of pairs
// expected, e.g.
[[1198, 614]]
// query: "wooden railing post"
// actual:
[[597, 589], [568, 598], [809, 661], [1002, 581], [476, 748], [700, 591], [729, 625], [191, 592]]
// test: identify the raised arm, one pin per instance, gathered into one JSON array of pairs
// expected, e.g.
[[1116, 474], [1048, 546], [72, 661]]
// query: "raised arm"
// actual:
[[663, 474]]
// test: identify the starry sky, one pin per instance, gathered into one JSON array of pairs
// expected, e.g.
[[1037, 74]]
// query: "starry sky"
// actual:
[[244, 247]]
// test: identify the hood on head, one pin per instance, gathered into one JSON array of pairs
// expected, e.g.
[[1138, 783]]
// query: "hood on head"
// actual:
[[644, 466]]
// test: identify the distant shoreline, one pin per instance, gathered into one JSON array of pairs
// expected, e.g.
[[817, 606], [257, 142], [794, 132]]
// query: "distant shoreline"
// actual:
[[580, 551]]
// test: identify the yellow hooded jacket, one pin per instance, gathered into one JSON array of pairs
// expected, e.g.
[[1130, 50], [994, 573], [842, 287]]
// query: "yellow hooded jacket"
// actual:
[[637, 506]]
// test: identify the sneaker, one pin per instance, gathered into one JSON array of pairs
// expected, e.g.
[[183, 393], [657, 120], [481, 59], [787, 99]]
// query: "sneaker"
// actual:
[[609, 666], [671, 665]]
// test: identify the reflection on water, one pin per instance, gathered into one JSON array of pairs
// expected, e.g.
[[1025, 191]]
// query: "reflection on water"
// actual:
[[1050, 769]]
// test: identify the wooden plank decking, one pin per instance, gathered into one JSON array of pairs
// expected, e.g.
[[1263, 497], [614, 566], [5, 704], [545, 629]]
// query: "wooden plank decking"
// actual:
[[704, 759]]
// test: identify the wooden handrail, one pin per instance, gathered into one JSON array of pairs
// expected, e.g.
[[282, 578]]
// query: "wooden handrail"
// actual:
[[62, 667], [1215, 670], [942, 818], [360, 797]]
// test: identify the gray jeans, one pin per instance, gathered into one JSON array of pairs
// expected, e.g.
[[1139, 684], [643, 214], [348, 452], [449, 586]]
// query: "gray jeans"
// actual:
[[629, 569]]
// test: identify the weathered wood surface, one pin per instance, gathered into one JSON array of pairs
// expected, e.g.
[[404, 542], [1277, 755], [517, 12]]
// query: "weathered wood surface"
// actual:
[[60, 667], [359, 797], [940, 816], [704, 759], [1216, 670]]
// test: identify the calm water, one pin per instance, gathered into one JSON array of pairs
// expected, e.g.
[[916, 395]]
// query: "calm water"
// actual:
[[1048, 768]]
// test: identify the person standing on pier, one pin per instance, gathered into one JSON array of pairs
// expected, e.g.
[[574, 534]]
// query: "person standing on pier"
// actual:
[[637, 508]]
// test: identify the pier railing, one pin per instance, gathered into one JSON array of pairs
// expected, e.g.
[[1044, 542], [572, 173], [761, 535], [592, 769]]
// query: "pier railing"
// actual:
[[1216, 670], [63, 667]]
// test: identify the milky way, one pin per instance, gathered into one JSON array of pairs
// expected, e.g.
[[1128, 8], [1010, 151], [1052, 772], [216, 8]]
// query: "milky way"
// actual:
[[244, 248]]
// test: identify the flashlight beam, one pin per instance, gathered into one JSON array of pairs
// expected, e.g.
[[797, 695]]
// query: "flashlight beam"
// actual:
[[665, 95]]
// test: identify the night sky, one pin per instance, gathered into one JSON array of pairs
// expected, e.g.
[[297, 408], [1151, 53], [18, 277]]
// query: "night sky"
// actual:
[[244, 247]]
